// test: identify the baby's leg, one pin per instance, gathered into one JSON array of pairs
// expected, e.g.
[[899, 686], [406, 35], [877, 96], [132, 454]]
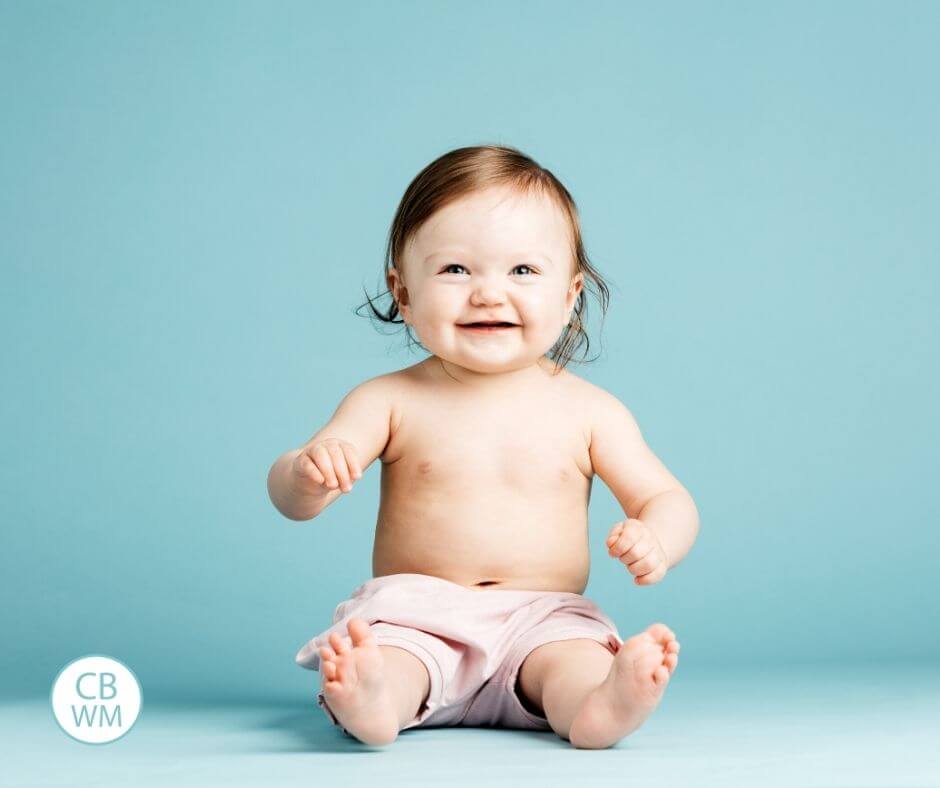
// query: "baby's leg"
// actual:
[[372, 690], [408, 682], [593, 698], [557, 676]]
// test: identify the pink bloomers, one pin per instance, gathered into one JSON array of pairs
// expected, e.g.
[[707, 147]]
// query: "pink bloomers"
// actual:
[[472, 642]]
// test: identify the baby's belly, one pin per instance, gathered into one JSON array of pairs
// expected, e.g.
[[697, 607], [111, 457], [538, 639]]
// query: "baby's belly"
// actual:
[[495, 542]]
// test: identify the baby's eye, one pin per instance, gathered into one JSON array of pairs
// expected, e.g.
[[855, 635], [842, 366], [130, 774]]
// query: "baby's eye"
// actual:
[[457, 265]]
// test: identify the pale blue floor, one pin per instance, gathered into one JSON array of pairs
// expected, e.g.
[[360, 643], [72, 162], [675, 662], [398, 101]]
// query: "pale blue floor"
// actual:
[[814, 726]]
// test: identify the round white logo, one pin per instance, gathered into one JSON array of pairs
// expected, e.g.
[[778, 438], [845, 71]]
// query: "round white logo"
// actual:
[[96, 699]]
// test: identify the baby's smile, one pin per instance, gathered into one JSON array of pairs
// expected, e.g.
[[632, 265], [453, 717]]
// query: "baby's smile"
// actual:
[[483, 329]]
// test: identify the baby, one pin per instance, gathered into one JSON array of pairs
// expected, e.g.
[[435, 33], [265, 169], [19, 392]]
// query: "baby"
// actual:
[[475, 613]]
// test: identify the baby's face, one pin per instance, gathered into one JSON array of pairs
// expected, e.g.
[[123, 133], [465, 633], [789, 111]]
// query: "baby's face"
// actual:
[[494, 255]]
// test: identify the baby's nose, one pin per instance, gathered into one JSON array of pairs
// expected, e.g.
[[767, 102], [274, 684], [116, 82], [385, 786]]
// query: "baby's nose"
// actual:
[[488, 293]]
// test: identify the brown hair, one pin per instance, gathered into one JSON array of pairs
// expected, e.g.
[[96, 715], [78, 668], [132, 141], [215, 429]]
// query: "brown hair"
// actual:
[[466, 170]]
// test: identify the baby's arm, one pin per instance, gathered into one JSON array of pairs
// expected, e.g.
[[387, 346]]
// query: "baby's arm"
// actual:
[[363, 419], [643, 486]]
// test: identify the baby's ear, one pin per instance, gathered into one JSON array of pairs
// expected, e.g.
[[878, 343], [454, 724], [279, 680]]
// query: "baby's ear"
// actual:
[[577, 283], [396, 286], [574, 291], [394, 279]]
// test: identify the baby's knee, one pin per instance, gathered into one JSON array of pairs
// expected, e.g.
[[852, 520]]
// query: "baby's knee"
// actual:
[[560, 656]]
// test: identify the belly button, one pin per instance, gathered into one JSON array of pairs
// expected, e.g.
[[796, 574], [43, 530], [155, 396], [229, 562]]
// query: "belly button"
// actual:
[[487, 583]]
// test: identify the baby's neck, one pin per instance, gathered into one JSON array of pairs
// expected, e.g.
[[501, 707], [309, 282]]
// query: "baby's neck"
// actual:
[[492, 380]]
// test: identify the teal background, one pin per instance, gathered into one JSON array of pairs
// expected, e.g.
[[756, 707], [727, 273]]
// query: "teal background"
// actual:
[[194, 195]]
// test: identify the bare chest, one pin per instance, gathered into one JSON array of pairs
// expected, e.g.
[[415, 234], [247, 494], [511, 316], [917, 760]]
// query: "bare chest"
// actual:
[[526, 443], [489, 487]]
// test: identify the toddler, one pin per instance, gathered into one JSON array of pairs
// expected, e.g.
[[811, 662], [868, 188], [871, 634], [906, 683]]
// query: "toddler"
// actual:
[[475, 614]]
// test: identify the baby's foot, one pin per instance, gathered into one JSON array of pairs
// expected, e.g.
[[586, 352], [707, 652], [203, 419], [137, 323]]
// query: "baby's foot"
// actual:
[[354, 685], [633, 688]]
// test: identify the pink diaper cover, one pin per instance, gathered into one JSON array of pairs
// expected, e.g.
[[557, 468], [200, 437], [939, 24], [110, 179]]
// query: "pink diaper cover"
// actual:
[[471, 640]]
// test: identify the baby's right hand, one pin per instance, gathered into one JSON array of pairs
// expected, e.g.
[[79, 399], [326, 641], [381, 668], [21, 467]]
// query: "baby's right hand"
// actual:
[[328, 463]]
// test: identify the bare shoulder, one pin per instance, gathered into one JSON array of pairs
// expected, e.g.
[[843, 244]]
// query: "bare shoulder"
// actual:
[[397, 387], [595, 403], [381, 387], [583, 397], [599, 404]]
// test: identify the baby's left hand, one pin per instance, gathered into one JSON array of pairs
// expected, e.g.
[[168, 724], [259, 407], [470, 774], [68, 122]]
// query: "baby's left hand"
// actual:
[[637, 546]]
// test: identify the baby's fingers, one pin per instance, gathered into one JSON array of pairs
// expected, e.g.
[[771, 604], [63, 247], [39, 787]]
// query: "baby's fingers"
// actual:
[[352, 461], [339, 467], [652, 577], [308, 468], [627, 544], [614, 534], [324, 464], [645, 565]]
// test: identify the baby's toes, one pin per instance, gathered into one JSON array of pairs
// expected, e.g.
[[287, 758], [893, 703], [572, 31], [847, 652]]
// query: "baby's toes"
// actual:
[[670, 661], [661, 676], [672, 647], [360, 633], [342, 672], [648, 660], [660, 632], [339, 643]]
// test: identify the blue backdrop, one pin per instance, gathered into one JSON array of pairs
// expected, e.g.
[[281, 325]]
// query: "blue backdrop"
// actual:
[[194, 196]]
